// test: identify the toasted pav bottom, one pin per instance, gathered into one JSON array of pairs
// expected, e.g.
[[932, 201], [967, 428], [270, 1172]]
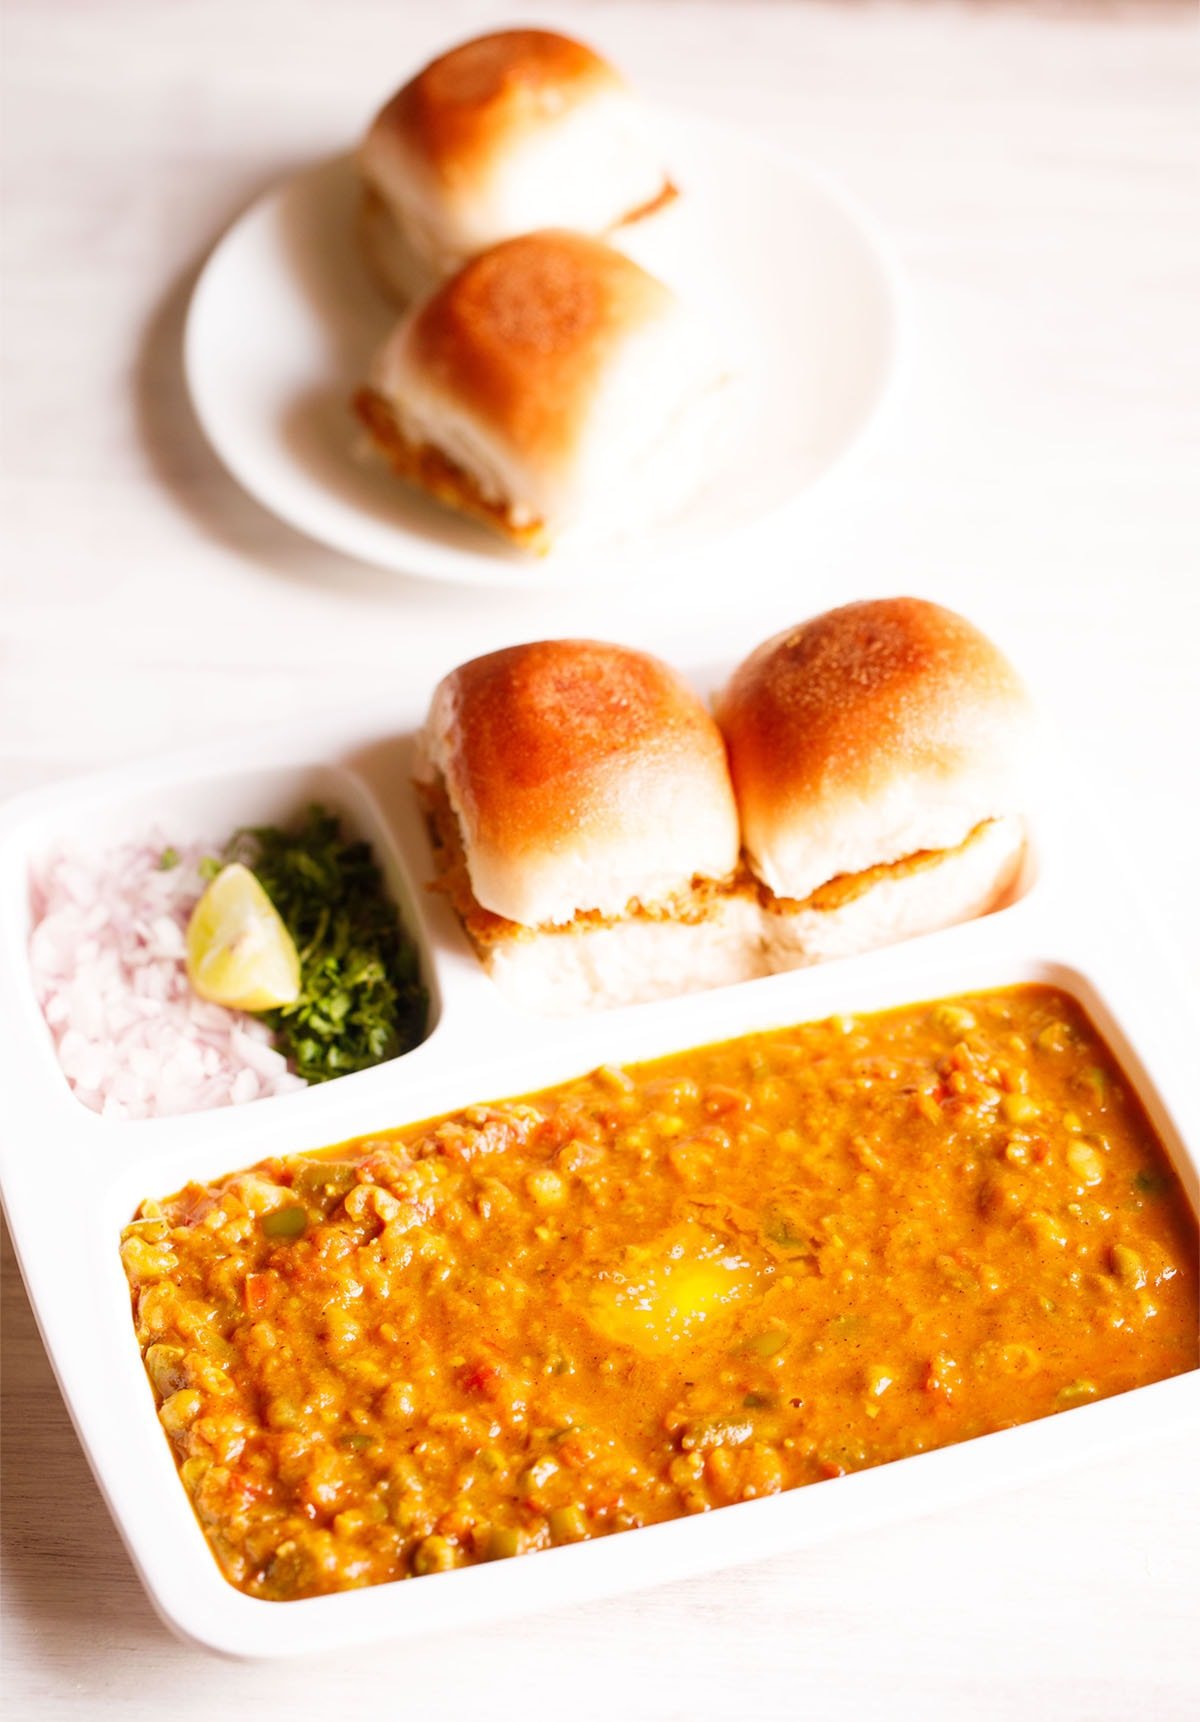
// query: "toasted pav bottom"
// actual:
[[548, 381], [715, 933], [442, 479]]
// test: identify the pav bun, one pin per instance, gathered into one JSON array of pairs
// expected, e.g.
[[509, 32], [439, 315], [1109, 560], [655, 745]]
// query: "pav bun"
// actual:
[[546, 386], [583, 778], [509, 132], [867, 735]]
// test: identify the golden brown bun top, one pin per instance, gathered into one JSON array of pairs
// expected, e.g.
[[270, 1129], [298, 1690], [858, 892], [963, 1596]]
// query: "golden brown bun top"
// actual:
[[583, 775], [868, 733], [521, 334], [489, 92], [533, 717]]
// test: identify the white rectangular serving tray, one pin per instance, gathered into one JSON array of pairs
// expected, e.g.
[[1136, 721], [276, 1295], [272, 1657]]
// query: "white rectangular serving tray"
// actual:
[[70, 1179]]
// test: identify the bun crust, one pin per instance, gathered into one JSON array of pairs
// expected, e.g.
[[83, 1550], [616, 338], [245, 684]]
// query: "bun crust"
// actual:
[[522, 334], [867, 734], [512, 132], [488, 93], [583, 776], [565, 383]]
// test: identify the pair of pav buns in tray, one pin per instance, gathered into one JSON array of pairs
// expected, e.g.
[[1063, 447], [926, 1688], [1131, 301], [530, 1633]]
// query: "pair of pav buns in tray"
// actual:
[[605, 840], [542, 381]]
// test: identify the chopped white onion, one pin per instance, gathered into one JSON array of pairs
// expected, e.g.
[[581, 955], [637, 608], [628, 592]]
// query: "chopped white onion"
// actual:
[[107, 953]]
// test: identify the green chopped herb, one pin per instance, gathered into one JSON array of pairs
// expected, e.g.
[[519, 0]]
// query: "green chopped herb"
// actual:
[[209, 866], [168, 859], [1149, 1183], [361, 998]]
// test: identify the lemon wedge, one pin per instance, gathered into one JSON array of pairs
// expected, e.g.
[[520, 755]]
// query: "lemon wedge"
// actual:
[[239, 953]]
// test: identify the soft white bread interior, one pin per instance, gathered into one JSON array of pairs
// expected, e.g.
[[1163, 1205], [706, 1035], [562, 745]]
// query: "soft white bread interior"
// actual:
[[868, 734], [741, 935], [567, 971], [582, 778], [865, 911], [507, 133], [551, 382]]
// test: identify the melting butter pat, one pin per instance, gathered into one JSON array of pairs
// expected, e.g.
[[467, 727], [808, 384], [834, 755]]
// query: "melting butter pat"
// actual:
[[661, 1293]]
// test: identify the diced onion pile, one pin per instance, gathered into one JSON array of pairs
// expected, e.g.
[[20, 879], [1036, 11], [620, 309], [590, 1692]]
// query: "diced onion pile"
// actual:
[[107, 953]]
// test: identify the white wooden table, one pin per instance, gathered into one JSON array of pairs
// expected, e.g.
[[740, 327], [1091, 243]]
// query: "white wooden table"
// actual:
[[1032, 168]]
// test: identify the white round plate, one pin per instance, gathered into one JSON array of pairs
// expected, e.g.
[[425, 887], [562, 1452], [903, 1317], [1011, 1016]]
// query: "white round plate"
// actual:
[[284, 320]]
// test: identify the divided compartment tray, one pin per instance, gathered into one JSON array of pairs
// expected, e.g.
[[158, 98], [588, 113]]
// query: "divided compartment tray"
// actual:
[[71, 1178]]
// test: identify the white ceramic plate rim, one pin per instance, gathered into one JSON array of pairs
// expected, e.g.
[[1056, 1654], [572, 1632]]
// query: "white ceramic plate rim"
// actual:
[[463, 554]]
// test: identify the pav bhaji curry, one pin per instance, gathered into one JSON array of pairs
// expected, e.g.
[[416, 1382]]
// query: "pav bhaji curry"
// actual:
[[659, 1290]]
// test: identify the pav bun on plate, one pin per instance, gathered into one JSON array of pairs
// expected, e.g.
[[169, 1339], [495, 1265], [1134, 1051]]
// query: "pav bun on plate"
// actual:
[[550, 385], [878, 754], [584, 826], [510, 132]]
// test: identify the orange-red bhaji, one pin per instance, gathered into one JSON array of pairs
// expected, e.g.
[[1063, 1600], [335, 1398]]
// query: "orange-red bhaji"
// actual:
[[659, 1290]]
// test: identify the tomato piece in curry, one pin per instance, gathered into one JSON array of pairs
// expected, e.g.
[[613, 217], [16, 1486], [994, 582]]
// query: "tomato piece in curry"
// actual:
[[660, 1290]]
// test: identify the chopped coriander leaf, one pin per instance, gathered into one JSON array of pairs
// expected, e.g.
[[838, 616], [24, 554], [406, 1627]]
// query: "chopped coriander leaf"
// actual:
[[168, 859], [209, 866], [361, 999]]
